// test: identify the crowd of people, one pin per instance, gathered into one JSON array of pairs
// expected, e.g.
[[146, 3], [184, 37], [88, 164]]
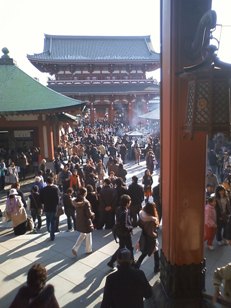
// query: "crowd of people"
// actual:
[[88, 179]]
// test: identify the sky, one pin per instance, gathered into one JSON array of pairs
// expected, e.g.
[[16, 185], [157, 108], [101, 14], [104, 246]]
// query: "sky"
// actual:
[[24, 23]]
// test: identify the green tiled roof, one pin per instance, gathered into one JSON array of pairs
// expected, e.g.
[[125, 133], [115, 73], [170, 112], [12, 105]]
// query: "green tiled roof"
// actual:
[[21, 93], [113, 49]]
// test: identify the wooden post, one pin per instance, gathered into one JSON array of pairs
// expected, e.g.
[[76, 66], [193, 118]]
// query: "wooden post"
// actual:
[[183, 164]]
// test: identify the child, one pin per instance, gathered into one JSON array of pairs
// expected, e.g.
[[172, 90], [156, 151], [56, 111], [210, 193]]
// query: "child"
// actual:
[[210, 221]]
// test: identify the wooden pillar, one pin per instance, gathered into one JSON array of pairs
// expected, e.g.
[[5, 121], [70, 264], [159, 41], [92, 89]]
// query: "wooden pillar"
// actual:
[[130, 113], [92, 113], [183, 162], [46, 139], [111, 113]]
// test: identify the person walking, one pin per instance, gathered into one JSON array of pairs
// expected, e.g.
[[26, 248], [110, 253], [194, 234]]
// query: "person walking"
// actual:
[[147, 181], [156, 194], [137, 152], [107, 200], [210, 222], [36, 208], [223, 213], [148, 222], [126, 287], [49, 197], [84, 224], [136, 192], [69, 209], [123, 228]]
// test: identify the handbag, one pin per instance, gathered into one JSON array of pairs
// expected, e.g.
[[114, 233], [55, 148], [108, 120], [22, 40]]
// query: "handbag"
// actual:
[[60, 211], [30, 224]]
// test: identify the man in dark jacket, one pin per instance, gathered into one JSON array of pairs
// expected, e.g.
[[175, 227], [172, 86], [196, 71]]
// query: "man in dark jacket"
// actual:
[[106, 205], [136, 192], [49, 196], [123, 228], [126, 287]]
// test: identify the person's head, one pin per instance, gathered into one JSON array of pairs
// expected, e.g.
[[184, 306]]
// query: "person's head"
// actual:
[[12, 193], [38, 179], [124, 256], [36, 277], [90, 188], [135, 179], [106, 182], [147, 172], [35, 188], [149, 208], [120, 166], [112, 174], [210, 188], [66, 167], [82, 192], [16, 185], [50, 180], [119, 182], [220, 191], [70, 191], [74, 172], [212, 200], [125, 200]]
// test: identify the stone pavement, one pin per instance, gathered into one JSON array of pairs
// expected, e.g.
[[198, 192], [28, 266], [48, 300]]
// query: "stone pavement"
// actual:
[[78, 281]]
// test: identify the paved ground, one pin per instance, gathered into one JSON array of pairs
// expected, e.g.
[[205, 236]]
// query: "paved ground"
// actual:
[[78, 281]]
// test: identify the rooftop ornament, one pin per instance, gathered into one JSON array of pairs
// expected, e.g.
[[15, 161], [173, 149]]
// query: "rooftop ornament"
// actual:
[[5, 59], [209, 85]]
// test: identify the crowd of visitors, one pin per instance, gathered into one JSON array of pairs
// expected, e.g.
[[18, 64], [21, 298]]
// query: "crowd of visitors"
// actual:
[[218, 196], [88, 179]]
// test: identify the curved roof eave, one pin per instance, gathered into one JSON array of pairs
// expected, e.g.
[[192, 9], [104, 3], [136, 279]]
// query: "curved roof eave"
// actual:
[[21, 93]]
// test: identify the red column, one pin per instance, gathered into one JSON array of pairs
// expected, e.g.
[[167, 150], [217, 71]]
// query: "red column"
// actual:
[[92, 113], [183, 159], [111, 113]]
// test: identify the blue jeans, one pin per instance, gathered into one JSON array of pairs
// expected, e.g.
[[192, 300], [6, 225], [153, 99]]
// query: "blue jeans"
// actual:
[[50, 220]]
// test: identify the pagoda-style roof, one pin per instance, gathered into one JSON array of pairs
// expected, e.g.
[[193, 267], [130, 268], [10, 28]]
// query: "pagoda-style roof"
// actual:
[[96, 49], [97, 88], [21, 93]]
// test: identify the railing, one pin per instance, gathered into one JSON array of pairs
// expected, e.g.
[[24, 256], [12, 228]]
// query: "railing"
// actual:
[[103, 82]]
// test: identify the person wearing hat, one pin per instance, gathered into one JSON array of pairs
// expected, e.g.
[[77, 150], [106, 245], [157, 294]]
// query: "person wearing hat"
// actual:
[[128, 286], [16, 212]]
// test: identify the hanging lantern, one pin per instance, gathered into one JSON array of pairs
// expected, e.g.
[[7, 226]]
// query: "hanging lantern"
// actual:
[[208, 100], [209, 83]]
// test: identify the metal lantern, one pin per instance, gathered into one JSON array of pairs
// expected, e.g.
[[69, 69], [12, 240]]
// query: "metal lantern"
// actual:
[[208, 100]]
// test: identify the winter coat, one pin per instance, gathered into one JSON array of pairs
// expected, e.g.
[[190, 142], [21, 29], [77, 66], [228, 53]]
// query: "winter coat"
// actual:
[[210, 216], [148, 224], [35, 202], [84, 216], [136, 192], [49, 196], [107, 197], [15, 211], [26, 298], [126, 288], [68, 205]]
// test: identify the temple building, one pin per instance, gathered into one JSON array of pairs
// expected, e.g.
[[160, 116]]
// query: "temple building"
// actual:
[[31, 115], [108, 73]]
